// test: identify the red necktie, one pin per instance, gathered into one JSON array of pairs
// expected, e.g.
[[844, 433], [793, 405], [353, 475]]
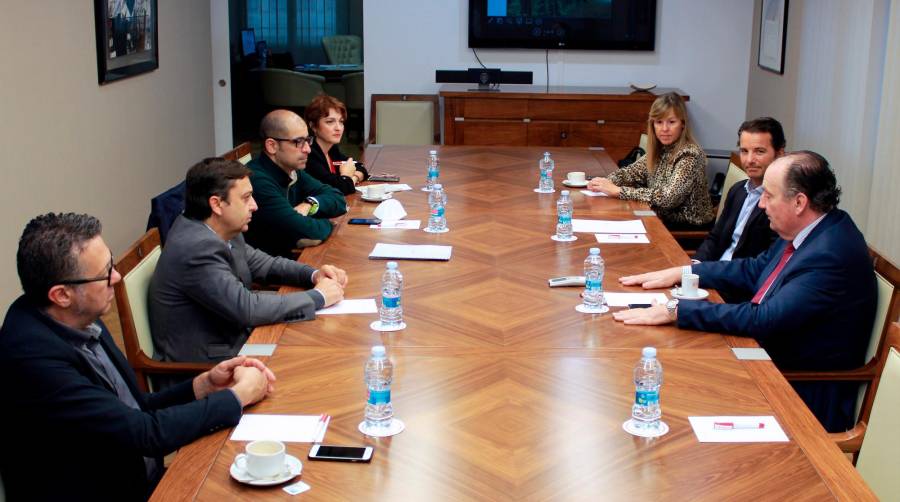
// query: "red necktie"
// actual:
[[788, 251]]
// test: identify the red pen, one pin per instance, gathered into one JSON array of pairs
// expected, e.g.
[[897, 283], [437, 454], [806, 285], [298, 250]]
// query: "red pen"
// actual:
[[738, 425], [323, 422]]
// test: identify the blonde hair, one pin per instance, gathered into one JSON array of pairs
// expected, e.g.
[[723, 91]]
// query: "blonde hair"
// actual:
[[659, 109]]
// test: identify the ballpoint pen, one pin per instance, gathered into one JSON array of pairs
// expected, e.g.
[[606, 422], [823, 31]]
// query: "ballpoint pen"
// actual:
[[323, 422], [738, 425]]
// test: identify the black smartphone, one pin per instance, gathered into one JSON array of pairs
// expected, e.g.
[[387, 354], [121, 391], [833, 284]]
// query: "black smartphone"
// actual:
[[341, 453], [364, 221], [384, 178], [639, 305]]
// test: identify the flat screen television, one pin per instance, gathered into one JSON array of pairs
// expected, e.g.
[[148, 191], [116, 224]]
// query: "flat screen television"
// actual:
[[563, 24]]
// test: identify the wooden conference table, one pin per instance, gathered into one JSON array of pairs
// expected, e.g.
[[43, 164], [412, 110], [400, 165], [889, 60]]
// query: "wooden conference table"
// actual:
[[508, 393]]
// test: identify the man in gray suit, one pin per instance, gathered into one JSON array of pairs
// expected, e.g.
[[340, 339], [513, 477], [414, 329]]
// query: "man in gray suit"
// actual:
[[201, 305]]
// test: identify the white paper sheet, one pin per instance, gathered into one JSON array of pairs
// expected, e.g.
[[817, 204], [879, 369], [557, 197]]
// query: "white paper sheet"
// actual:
[[594, 194], [623, 299], [622, 238], [751, 354], [704, 428], [288, 428], [404, 224], [364, 306], [388, 187], [608, 226], [257, 349], [411, 252]]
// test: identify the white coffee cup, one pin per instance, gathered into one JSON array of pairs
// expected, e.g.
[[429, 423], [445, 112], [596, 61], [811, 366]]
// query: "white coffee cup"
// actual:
[[262, 459], [375, 191], [689, 284], [576, 177]]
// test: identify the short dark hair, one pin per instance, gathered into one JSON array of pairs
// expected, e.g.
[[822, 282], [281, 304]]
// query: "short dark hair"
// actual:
[[49, 249], [765, 125], [810, 174], [212, 176], [319, 107]]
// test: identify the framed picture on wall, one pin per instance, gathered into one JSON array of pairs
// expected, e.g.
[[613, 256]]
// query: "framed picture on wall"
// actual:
[[127, 38], [772, 35]]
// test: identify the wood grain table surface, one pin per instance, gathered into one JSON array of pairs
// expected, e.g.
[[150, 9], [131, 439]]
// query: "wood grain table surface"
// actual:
[[508, 393]]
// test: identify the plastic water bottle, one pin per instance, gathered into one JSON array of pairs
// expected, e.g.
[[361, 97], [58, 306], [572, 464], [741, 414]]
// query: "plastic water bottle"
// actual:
[[546, 164], [648, 378], [437, 201], [564, 216], [593, 280], [433, 164], [379, 374], [391, 312]]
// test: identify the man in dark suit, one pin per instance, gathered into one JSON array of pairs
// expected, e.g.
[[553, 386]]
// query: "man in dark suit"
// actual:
[[742, 230], [200, 302], [813, 292], [77, 427]]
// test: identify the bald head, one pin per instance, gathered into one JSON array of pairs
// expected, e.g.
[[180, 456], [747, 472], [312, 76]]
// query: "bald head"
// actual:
[[285, 140], [279, 123]]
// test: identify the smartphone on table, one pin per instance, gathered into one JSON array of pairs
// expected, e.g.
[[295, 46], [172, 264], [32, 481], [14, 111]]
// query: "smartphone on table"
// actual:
[[341, 453]]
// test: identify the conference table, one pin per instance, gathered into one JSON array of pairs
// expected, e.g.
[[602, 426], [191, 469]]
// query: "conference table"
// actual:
[[506, 391]]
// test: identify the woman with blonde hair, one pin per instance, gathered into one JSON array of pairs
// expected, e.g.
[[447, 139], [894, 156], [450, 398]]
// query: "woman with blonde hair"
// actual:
[[671, 177]]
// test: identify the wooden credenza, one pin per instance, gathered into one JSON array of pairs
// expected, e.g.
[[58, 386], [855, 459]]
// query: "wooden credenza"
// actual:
[[535, 115]]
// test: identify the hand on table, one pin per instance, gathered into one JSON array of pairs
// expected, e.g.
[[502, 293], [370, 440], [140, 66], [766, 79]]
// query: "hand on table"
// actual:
[[654, 315], [223, 376], [348, 167], [331, 290], [332, 272], [653, 280], [603, 185]]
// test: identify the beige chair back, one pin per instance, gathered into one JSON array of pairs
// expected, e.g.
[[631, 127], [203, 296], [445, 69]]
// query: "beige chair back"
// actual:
[[878, 455], [290, 89], [354, 90], [137, 285], [734, 175], [643, 142], [404, 122], [343, 49], [883, 305]]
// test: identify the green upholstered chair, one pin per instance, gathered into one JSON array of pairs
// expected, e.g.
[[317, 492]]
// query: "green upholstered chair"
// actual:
[[404, 119], [354, 90], [289, 89], [343, 49]]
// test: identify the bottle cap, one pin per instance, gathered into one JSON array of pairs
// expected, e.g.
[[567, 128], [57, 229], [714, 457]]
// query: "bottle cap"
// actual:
[[594, 251], [546, 154], [438, 186], [564, 192], [432, 152], [648, 352], [392, 265], [378, 351]]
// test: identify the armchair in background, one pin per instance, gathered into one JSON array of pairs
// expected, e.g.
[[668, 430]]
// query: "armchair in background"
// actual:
[[343, 49]]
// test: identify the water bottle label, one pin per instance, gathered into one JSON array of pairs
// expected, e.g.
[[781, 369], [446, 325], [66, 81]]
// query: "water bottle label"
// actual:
[[545, 174], [646, 397], [379, 396], [437, 211], [390, 303], [433, 173], [592, 284], [564, 219]]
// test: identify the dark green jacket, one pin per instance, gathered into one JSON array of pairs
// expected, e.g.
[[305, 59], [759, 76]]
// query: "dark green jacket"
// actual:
[[277, 226]]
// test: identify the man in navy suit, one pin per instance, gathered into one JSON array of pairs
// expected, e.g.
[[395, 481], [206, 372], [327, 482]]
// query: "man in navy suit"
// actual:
[[813, 292], [742, 230], [77, 426]]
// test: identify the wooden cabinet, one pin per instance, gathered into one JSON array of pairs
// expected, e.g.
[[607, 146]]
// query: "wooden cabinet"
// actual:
[[609, 117]]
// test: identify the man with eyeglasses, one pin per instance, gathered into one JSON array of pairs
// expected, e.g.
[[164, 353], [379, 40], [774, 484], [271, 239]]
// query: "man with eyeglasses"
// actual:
[[294, 207], [72, 408]]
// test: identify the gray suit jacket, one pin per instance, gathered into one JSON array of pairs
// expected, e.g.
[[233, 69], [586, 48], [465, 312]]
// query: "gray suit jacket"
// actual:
[[201, 306]]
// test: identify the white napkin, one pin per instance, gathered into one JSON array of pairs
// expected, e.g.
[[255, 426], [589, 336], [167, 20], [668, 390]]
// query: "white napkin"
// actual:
[[390, 210]]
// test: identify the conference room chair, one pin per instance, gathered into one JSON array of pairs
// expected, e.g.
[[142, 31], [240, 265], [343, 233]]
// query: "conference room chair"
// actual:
[[137, 266], [355, 99], [289, 89], [875, 442], [343, 49], [887, 311], [405, 119], [690, 240]]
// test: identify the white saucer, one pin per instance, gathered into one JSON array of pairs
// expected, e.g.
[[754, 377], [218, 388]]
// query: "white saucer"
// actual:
[[376, 325], [538, 190], [292, 467], [383, 198], [395, 428], [630, 428], [642, 86], [557, 239], [584, 310], [575, 185], [701, 294]]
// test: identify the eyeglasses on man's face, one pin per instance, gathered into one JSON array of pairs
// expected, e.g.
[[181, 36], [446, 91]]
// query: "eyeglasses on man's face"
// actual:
[[107, 277], [298, 142]]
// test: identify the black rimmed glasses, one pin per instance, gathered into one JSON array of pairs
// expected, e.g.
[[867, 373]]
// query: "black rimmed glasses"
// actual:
[[107, 277], [298, 142]]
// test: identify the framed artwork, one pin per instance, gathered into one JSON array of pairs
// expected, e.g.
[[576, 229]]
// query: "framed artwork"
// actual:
[[127, 38], [772, 35]]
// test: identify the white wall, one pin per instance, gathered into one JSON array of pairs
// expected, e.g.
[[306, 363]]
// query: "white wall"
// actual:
[[71, 145], [702, 48]]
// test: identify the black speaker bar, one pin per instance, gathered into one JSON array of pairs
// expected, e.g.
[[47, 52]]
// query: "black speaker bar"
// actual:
[[482, 76]]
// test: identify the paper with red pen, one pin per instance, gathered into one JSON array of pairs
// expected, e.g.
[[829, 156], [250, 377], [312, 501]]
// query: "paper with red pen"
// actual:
[[707, 432], [287, 428], [608, 226], [622, 238]]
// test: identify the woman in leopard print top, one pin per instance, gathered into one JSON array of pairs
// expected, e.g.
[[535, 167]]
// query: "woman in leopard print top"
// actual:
[[671, 177]]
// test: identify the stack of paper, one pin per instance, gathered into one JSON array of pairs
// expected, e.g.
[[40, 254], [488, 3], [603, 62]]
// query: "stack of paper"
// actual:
[[288, 428], [366, 306], [410, 252], [612, 231]]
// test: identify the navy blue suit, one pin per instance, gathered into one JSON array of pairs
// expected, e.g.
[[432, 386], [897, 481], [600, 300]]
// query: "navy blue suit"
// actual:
[[68, 435], [817, 315]]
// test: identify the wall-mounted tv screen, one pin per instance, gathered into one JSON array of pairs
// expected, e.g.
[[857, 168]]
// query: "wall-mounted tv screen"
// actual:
[[563, 24]]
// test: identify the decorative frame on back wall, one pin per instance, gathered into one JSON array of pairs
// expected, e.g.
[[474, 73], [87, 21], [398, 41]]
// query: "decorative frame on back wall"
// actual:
[[127, 38], [773, 35]]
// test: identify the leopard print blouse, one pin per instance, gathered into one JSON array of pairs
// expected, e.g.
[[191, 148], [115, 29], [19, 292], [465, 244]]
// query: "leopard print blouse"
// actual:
[[677, 189]]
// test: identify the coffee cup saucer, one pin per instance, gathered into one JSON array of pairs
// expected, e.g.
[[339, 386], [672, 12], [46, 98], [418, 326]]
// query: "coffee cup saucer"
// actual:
[[292, 467], [383, 198], [575, 184], [701, 294]]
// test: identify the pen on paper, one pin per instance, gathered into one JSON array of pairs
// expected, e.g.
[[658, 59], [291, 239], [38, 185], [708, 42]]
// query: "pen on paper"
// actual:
[[738, 425], [323, 420]]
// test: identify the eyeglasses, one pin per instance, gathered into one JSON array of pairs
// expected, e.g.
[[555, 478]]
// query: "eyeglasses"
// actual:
[[107, 277], [298, 142]]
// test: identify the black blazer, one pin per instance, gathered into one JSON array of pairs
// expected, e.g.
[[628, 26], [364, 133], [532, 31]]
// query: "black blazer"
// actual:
[[69, 436], [757, 236], [317, 167]]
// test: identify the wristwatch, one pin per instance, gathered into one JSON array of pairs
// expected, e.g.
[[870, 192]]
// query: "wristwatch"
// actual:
[[315, 205], [672, 306]]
